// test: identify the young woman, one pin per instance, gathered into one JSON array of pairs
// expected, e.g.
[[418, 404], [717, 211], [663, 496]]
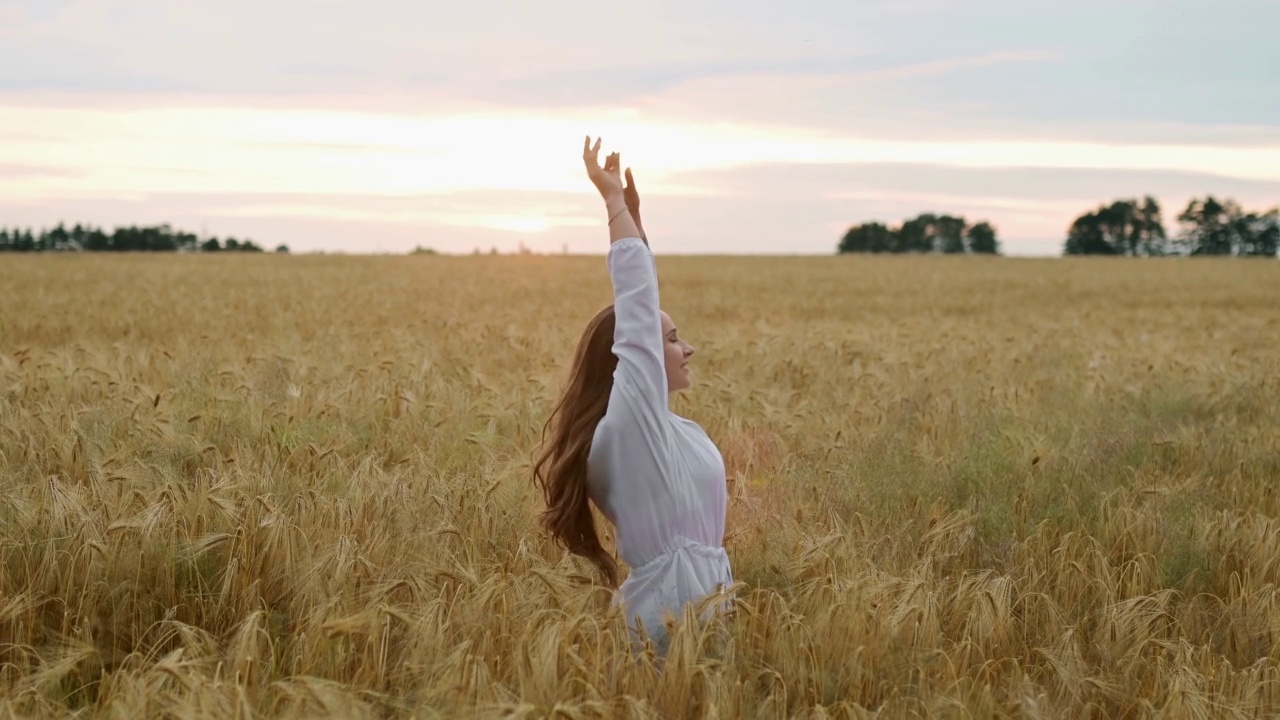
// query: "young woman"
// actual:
[[656, 476]]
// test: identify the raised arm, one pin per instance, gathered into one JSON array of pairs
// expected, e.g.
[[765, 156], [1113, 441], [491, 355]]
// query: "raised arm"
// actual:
[[637, 316], [637, 332], [638, 404]]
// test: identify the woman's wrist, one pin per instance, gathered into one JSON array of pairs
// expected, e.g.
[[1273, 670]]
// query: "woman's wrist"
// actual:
[[615, 214], [613, 204]]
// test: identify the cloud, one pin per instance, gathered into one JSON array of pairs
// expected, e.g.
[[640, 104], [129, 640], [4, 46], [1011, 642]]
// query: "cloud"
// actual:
[[928, 65], [946, 66]]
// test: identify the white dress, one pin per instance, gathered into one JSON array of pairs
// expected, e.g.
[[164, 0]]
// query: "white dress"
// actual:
[[657, 476]]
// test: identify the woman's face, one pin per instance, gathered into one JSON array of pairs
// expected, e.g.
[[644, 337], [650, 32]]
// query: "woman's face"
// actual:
[[676, 353]]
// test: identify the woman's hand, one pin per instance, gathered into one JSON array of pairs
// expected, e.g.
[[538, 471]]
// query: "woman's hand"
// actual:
[[632, 198], [607, 179]]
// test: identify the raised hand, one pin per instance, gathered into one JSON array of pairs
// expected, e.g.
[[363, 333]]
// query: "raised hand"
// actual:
[[607, 179], [632, 196]]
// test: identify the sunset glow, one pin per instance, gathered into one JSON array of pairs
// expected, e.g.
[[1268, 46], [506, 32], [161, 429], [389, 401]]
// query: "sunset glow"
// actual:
[[114, 153]]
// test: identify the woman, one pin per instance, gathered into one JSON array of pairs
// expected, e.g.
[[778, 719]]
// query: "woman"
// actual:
[[656, 476]]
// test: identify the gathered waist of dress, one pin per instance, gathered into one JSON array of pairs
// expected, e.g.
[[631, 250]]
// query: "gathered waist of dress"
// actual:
[[681, 544]]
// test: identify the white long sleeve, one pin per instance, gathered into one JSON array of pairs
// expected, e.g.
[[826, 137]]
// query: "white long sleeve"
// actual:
[[638, 405], [657, 476]]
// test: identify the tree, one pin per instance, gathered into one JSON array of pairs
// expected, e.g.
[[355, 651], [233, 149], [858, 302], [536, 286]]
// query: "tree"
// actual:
[[871, 237], [928, 232], [982, 239], [950, 232], [1209, 226], [1086, 237], [1125, 227], [1152, 240], [282, 249], [186, 242], [157, 238], [125, 239], [1117, 224], [924, 233], [57, 239], [1259, 234], [1213, 227], [918, 234], [97, 239]]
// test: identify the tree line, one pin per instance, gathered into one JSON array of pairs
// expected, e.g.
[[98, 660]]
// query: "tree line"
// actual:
[[1208, 227], [925, 233], [158, 238]]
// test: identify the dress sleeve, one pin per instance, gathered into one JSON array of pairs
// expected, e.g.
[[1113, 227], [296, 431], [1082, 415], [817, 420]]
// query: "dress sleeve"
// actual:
[[638, 412]]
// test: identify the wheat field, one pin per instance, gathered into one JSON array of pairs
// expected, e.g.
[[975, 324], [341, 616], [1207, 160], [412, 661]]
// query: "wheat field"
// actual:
[[275, 486]]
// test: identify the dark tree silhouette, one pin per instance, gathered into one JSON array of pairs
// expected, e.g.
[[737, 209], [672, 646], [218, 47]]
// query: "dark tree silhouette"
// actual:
[[919, 234], [982, 239], [870, 237], [160, 238], [1259, 233], [1213, 227], [951, 234], [924, 233], [1125, 227], [1209, 226]]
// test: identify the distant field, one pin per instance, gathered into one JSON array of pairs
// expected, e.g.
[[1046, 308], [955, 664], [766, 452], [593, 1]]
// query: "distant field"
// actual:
[[298, 486]]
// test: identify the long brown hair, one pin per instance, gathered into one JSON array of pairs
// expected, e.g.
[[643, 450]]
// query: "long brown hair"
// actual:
[[561, 470]]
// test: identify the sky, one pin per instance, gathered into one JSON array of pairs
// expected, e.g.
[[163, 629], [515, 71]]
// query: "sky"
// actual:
[[752, 127]]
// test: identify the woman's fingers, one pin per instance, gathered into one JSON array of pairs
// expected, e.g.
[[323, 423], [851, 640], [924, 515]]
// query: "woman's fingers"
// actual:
[[607, 179], [591, 154]]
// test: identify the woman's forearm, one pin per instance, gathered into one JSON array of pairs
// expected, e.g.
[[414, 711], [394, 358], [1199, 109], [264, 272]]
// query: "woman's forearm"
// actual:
[[621, 224]]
